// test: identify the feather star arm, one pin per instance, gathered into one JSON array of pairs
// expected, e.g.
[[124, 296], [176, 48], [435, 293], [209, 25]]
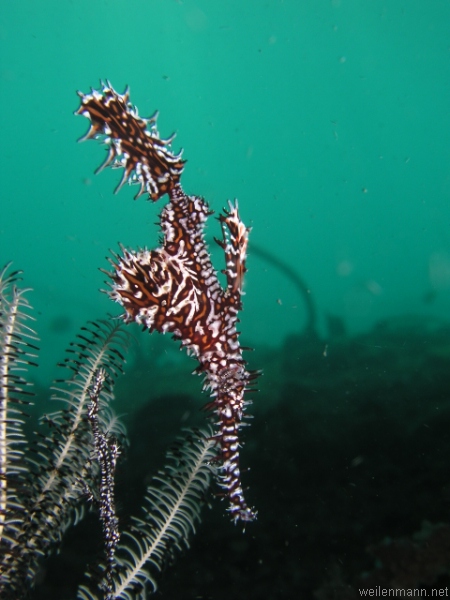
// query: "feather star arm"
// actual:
[[175, 288]]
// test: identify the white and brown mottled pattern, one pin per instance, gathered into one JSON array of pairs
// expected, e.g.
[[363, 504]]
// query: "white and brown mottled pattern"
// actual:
[[175, 288]]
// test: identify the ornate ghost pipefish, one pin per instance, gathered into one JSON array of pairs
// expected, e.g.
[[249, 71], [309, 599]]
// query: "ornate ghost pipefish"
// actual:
[[174, 288]]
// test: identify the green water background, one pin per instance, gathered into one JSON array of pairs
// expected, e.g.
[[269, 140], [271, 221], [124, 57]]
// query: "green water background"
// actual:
[[329, 120]]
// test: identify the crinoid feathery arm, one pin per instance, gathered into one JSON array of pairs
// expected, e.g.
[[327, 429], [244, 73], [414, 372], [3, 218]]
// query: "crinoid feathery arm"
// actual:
[[46, 480], [17, 352], [175, 288]]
